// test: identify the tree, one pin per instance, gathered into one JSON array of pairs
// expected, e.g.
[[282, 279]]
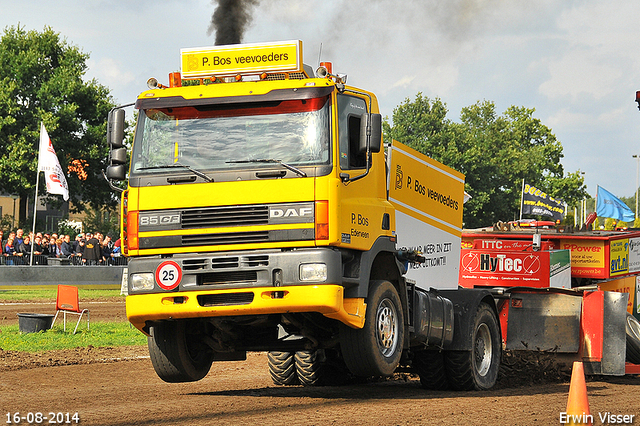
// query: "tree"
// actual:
[[495, 152], [41, 80]]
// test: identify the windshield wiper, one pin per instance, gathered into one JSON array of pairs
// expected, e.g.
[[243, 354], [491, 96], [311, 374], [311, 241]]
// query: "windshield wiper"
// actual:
[[271, 160], [181, 166]]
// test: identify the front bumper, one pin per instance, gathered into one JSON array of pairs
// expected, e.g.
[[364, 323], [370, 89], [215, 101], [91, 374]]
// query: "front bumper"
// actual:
[[325, 299]]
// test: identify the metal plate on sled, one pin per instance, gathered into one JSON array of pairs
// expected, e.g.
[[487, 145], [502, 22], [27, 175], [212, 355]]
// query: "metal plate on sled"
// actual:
[[544, 322]]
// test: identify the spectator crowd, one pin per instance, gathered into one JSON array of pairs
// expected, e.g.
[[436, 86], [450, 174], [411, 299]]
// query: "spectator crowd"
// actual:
[[85, 249]]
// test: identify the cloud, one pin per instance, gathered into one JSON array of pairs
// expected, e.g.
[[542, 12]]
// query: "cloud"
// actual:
[[581, 72], [109, 72], [596, 48]]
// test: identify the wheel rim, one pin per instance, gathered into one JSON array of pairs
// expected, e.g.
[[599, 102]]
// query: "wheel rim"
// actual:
[[634, 326], [483, 350], [195, 349], [387, 327]]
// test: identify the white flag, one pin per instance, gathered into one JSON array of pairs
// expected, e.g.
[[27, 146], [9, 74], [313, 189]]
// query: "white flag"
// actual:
[[49, 164]]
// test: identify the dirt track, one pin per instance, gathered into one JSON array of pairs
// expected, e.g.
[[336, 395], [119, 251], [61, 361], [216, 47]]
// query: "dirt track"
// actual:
[[117, 386]]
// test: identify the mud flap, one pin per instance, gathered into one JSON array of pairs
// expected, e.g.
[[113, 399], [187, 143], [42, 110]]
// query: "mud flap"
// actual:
[[547, 322], [604, 317]]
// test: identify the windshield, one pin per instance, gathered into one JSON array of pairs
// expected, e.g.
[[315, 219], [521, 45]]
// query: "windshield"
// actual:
[[224, 137]]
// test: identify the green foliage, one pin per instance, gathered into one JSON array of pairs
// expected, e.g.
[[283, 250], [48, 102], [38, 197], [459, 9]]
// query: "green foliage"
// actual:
[[105, 221], [610, 224], [41, 80], [495, 152], [7, 221], [100, 334]]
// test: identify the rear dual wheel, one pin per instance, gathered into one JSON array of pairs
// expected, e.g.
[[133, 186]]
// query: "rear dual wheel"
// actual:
[[477, 369]]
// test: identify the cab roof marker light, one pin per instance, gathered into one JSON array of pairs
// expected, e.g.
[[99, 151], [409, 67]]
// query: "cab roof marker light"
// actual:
[[175, 79]]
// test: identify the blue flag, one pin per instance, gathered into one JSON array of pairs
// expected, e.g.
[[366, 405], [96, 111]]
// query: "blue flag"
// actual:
[[609, 205]]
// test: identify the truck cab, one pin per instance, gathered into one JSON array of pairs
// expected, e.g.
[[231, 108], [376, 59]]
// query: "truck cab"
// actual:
[[256, 213]]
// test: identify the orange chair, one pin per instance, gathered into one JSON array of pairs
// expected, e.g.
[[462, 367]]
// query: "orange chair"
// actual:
[[67, 302]]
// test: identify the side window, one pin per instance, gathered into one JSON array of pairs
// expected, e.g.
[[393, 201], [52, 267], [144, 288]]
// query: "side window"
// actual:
[[350, 109]]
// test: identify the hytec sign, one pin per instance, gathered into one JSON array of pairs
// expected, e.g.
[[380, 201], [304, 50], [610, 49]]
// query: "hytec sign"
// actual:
[[481, 267]]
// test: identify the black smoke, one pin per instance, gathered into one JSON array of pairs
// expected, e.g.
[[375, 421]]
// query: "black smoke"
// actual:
[[230, 19]]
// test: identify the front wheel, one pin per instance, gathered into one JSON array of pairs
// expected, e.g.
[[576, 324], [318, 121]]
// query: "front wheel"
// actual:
[[178, 353], [478, 368], [375, 349]]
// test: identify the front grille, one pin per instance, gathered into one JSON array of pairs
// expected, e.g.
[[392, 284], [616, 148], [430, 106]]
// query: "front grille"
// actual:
[[225, 238], [226, 299], [225, 216], [224, 262], [257, 260], [229, 277], [194, 264], [285, 76]]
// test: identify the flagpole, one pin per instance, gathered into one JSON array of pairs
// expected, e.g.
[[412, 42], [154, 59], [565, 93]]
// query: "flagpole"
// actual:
[[35, 208], [35, 201], [521, 198]]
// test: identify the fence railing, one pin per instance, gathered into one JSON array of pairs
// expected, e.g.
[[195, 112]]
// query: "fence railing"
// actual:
[[57, 261]]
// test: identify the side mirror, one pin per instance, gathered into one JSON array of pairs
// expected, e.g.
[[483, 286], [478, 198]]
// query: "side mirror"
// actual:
[[370, 124], [115, 128], [118, 156], [116, 172], [117, 151]]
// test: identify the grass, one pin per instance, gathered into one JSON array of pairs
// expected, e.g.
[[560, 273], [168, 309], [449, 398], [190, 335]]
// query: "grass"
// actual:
[[100, 334], [50, 294]]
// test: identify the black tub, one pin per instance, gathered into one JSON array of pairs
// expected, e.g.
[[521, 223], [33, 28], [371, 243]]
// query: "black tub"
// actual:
[[32, 323]]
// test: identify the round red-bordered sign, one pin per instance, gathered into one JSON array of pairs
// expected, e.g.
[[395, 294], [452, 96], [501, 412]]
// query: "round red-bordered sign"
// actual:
[[168, 275]]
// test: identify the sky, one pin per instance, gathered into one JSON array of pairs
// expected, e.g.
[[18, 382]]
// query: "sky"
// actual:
[[577, 63]]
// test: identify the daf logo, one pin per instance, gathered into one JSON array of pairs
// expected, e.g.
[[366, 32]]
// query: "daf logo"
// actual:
[[276, 213]]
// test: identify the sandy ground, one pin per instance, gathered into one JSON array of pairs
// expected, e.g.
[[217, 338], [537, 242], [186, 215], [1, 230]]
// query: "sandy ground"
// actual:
[[117, 386]]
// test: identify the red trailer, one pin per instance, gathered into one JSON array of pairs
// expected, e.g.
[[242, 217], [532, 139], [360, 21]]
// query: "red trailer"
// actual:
[[564, 292]]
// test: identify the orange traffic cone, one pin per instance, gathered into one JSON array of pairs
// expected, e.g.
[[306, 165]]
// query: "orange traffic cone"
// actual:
[[578, 403]]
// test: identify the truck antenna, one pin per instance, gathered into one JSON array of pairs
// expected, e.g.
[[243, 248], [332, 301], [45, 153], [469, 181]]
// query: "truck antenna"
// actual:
[[320, 54]]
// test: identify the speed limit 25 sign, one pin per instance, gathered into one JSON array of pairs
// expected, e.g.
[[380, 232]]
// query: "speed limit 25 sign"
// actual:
[[168, 275]]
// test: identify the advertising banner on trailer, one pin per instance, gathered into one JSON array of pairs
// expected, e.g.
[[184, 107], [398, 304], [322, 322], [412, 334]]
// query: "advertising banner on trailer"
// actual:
[[428, 197]]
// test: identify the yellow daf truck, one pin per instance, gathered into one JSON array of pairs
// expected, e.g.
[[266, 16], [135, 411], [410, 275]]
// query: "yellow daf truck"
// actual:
[[262, 213]]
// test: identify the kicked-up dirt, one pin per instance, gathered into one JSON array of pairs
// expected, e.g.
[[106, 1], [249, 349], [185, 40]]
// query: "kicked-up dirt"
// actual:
[[118, 386]]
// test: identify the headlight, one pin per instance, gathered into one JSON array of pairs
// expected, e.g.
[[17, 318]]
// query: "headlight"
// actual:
[[313, 272], [141, 281]]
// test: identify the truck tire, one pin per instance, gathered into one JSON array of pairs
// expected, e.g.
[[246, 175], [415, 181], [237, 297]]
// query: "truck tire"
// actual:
[[320, 368], [375, 349], [429, 365], [282, 368], [177, 353], [478, 368], [633, 340], [309, 367]]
